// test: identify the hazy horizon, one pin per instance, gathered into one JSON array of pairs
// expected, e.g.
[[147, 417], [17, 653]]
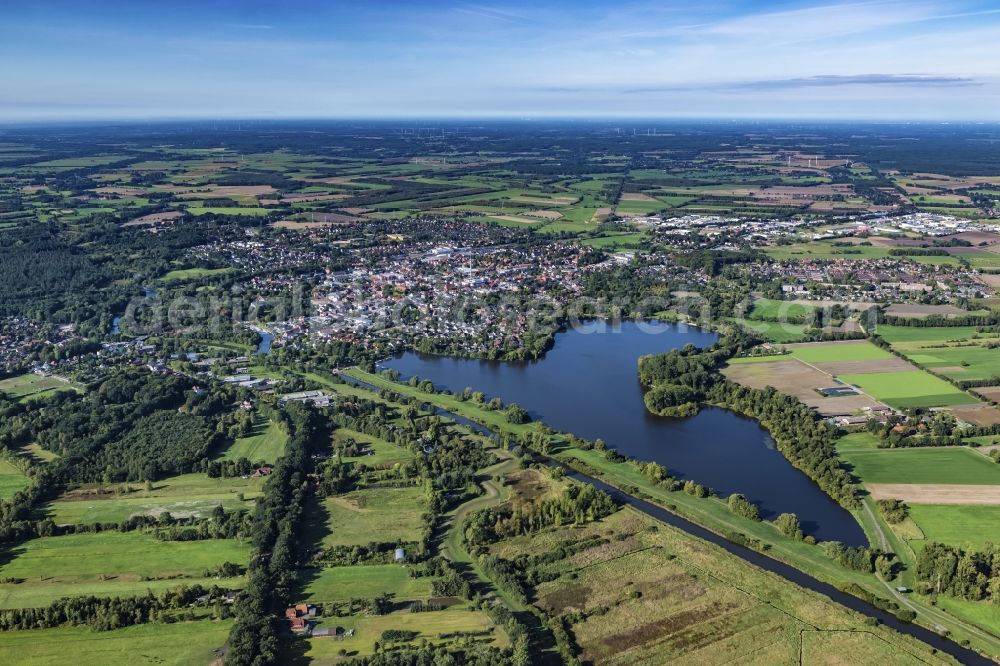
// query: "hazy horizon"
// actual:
[[773, 60]]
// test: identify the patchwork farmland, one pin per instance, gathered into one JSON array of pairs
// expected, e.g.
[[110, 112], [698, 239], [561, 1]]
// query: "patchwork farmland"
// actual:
[[876, 378]]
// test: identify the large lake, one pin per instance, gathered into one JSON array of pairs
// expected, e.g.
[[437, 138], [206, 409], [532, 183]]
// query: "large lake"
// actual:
[[588, 384]]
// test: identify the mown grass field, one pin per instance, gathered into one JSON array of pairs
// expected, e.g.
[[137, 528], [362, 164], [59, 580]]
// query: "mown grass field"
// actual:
[[192, 273], [925, 465], [914, 388], [266, 442], [986, 616], [31, 594], [179, 644], [832, 352], [611, 241], [384, 452], [181, 496], [86, 557], [899, 334], [435, 626], [776, 310], [11, 479], [373, 514], [332, 584], [965, 362], [857, 440], [774, 331], [31, 385], [958, 525]]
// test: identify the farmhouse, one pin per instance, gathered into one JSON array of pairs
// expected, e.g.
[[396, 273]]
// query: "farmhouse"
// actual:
[[298, 617]]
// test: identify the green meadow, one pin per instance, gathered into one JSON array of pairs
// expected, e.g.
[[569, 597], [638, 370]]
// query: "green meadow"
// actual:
[[44, 569], [914, 388], [182, 274], [31, 385], [950, 465], [12, 479], [857, 440], [181, 496], [774, 331], [227, 210], [966, 362], [32, 594], [332, 584], [968, 526], [178, 644], [437, 627], [266, 442], [894, 334], [770, 308], [372, 514], [385, 453], [89, 556], [833, 352]]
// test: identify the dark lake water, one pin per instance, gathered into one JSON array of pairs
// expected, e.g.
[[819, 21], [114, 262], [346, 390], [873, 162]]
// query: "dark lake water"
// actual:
[[265, 342], [116, 322], [588, 384]]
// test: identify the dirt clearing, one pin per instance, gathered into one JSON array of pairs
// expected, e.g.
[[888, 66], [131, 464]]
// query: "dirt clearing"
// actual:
[[980, 415], [935, 493], [795, 378]]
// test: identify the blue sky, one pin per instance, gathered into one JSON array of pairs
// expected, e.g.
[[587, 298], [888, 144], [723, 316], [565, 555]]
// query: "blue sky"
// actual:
[[913, 60]]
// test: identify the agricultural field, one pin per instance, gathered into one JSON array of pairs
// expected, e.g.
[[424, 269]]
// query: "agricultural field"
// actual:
[[920, 311], [879, 377], [178, 644], [971, 362], [837, 352], [371, 514], [968, 526], [945, 465], [180, 496], [953, 494], [914, 388], [897, 336], [959, 353], [50, 567]]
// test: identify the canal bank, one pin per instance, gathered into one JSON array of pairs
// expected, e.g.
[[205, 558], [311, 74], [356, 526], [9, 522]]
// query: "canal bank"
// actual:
[[715, 523], [588, 385]]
